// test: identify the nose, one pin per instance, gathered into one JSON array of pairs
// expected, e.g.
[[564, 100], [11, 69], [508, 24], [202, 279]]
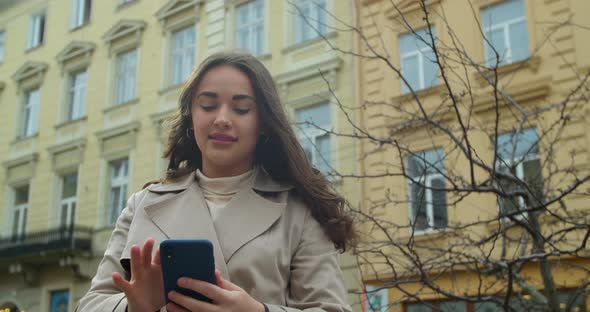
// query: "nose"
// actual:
[[222, 119]]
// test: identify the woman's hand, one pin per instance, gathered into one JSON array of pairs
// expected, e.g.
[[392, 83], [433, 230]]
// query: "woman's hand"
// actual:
[[145, 290], [226, 296]]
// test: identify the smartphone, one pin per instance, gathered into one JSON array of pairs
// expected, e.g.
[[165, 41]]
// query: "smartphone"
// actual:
[[187, 258]]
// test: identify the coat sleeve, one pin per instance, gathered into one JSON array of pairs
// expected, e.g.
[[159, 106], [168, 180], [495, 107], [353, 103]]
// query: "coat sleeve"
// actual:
[[316, 281], [103, 295]]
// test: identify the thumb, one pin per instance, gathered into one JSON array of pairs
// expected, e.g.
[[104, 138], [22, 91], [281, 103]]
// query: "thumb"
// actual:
[[225, 284]]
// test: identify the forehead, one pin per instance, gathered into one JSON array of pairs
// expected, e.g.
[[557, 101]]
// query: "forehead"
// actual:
[[225, 79]]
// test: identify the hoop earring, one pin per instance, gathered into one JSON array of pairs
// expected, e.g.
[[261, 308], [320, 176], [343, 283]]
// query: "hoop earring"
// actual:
[[189, 134]]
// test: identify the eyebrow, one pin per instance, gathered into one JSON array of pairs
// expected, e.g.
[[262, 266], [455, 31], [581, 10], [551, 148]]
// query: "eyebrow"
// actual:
[[235, 97]]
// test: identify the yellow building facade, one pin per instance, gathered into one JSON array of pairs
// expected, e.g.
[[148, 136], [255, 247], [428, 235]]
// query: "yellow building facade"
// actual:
[[542, 52], [85, 89]]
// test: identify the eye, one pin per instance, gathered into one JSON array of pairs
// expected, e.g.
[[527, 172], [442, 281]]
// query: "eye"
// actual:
[[208, 107], [242, 111]]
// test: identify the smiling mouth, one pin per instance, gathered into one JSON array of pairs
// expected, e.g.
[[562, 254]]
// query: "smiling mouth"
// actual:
[[222, 138]]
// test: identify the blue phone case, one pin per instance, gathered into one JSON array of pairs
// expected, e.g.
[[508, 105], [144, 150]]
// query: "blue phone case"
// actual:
[[187, 258]]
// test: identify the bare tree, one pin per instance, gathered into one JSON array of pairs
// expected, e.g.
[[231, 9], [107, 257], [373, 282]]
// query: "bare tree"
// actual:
[[492, 176]]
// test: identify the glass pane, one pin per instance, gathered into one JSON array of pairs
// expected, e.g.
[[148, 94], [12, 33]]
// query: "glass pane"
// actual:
[[498, 41], [59, 301], [418, 203], [523, 144], [430, 68], [456, 306], [534, 179], [64, 215], [318, 115], [23, 225], [488, 307], [439, 203], [427, 162], [411, 72], [412, 42], [15, 223], [69, 184], [323, 145], [519, 41], [115, 198], [503, 12], [419, 307], [571, 302], [21, 195]]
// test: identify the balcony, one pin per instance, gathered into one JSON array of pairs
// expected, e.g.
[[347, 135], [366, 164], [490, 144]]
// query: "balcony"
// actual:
[[65, 240]]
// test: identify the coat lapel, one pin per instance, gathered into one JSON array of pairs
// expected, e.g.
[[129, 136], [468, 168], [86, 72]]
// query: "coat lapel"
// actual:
[[248, 214], [185, 216]]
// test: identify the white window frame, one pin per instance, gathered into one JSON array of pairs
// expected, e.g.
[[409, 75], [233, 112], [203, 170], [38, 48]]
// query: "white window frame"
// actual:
[[81, 10], [71, 203], [120, 182], [186, 54], [18, 230], [37, 26], [504, 26], [312, 134], [421, 54], [30, 113], [77, 95], [2, 45], [126, 76], [425, 181], [256, 48], [313, 22]]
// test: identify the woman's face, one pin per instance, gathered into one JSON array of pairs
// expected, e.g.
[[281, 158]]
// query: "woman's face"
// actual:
[[225, 121]]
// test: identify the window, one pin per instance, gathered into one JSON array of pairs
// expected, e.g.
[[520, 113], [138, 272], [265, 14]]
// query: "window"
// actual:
[[428, 200], [183, 54], [310, 19], [69, 186], [36, 30], [20, 212], [448, 306], [119, 172], [126, 76], [30, 114], [77, 95], [518, 156], [250, 27], [316, 142], [505, 27], [80, 13], [418, 62], [1, 46], [59, 301]]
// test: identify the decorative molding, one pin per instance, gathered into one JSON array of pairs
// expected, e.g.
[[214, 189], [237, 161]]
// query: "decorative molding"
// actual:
[[30, 69], [329, 65], [524, 92], [531, 64], [62, 147], [406, 7], [124, 28], [122, 129], [175, 6], [28, 158], [73, 50]]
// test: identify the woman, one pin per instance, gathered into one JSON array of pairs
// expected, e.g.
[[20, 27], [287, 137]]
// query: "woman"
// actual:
[[238, 177]]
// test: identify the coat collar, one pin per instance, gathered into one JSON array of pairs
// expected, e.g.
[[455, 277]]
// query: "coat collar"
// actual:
[[262, 182], [184, 215]]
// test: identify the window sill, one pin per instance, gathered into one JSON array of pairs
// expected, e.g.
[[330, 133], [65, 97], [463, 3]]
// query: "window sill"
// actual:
[[170, 88], [117, 106], [300, 45], [20, 139], [531, 63], [39, 46], [419, 93], [123, 5], [426, 234], [70, 122], [79, 27]]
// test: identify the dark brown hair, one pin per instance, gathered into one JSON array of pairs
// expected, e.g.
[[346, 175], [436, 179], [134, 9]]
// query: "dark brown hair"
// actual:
[[280, 154]]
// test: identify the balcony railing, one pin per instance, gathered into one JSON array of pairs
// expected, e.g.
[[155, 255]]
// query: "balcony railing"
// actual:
[[65, 238]]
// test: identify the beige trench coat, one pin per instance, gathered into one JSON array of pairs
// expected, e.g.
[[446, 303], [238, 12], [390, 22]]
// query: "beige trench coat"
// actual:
[[265, 240]]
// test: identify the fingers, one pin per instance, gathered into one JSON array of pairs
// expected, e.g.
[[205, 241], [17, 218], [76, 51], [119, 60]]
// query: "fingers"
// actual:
[[218, 278], [135, 254], [157, 259], [225, 284], [206, 289], [120, 282], [173, 307], [185, 302], [146, 253]]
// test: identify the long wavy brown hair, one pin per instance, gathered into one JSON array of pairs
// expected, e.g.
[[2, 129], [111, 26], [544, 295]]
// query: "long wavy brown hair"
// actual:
[[280, 153]]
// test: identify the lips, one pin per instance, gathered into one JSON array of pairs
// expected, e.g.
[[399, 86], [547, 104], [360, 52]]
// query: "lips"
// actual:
[[223, 137]]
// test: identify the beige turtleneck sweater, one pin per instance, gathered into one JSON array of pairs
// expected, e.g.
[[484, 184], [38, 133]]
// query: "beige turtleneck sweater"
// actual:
[[219, 191]]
